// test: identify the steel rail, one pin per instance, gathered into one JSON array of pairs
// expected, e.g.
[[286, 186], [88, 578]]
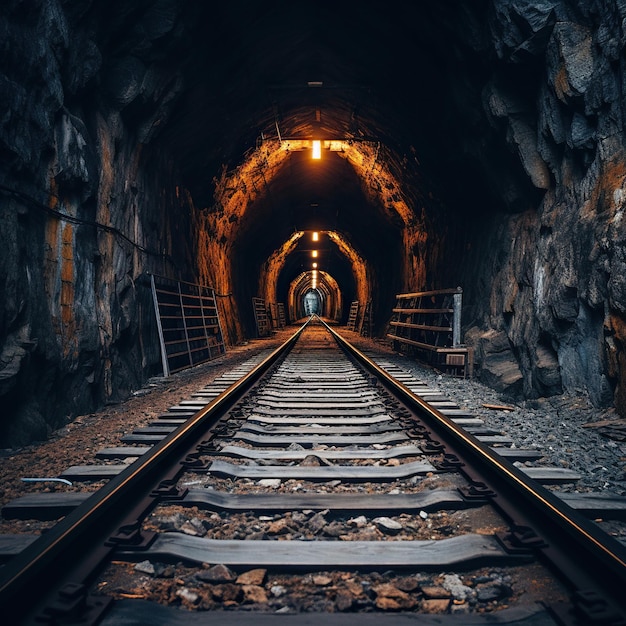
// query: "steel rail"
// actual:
[[597, 560], [36, 567]]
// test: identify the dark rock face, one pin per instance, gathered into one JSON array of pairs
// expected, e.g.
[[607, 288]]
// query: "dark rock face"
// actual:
[[556, 271], [83, 212], [90, 199]]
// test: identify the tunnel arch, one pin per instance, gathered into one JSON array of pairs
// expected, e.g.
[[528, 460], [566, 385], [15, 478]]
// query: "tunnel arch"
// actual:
[[294, 255], [312, 302], [350, 195], [330, 294]]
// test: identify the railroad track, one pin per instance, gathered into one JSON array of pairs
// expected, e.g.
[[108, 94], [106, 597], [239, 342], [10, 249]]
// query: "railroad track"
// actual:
[[314, 482]]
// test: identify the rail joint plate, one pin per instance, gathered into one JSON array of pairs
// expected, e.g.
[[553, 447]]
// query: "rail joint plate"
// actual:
[[131, 537]]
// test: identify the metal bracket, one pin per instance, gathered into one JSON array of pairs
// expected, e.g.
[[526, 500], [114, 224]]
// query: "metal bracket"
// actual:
[[477, 491], [72, 604], [521, 540], [194, 463], [208, 445], [587, 607], [225, 432], [131, 537], [432, 447], [449, 463], [168, 490], [390, 403], [595, 608]]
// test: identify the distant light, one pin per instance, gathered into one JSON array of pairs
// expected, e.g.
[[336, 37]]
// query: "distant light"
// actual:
[[316, 236], [314, 253], [314, 265], [317, 149]]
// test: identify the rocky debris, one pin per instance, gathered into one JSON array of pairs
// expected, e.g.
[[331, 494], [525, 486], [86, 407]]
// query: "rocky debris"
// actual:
[[561, 427], [390, 598], [312, 460], [387, 525], [254, 594], [217, 574], [455, 587], [253, 577], [309, 525], [611, 428], [482, 591], [274, 483]]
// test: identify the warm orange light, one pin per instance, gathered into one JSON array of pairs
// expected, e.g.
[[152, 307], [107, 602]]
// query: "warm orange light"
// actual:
[[317, 149], [316, 236], [314, 253], [314, 264]]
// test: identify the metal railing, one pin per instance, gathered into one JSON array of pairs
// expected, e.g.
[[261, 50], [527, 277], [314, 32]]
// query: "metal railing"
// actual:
[[188, 323]]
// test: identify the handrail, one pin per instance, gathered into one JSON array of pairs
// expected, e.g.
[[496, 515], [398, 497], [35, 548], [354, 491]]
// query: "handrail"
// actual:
[[434, 292]]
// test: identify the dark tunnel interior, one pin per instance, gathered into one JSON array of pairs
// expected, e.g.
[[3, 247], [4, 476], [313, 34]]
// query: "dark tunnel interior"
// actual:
[[398, 80], [317, 196], [463, 144]]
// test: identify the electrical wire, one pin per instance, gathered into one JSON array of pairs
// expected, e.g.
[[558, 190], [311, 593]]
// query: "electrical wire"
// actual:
[[83, 222], [80, 221]]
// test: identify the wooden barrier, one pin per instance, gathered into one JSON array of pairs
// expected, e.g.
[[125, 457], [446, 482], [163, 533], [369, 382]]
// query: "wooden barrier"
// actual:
[[261, 317], [366, 322], [353, 316], [427, 324], [277, 315]]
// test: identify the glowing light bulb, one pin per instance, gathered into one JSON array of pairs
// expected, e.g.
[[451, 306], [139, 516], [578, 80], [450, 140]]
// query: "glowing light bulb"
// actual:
[[317, 149]]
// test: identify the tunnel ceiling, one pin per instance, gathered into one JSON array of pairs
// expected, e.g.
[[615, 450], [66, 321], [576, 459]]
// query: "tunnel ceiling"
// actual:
[[382, 76], [308, 195], [367, 72]]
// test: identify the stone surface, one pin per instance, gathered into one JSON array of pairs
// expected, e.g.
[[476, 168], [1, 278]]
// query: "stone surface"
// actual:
[[93, 197]]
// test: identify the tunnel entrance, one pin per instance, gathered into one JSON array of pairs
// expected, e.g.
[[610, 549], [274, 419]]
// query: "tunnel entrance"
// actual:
[[312, 302], [307, 217]]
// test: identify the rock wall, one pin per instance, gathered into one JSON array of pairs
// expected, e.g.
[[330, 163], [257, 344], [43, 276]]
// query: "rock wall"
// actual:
[[90, 200], [83, 211], [554, 271]]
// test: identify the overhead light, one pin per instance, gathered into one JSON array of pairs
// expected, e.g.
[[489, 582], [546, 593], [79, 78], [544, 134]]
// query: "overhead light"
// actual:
[[316, 236], [314, 265], [317, 149], [314, 254]]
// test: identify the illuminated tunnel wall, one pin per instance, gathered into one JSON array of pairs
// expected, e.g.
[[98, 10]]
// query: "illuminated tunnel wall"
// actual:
[[367, 241], [327, 290]]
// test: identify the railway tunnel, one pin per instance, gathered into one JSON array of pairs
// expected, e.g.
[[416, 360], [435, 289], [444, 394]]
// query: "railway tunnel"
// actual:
[[475, 144]]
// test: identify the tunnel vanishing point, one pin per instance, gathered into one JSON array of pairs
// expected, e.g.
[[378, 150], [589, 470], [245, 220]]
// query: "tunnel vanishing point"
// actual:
[[476, 144]]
